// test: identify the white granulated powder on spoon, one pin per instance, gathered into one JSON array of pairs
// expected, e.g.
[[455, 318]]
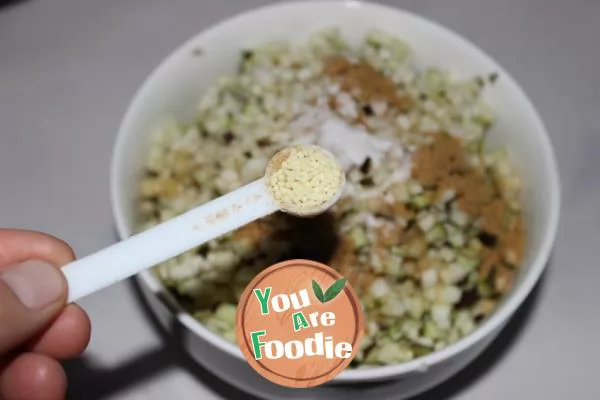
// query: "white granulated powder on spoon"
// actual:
[[304, 179]]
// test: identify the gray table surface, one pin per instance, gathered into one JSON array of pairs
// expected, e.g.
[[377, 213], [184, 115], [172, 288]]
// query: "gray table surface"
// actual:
[[68, 69]]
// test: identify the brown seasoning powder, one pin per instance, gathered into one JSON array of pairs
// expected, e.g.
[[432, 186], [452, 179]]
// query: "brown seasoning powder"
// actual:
[[443, 165], [364, 82]]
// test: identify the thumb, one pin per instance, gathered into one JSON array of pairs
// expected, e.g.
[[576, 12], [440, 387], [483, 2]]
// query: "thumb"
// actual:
[[31, 295]]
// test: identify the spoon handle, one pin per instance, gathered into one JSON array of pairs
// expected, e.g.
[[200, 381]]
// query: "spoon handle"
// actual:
[[167, 240]]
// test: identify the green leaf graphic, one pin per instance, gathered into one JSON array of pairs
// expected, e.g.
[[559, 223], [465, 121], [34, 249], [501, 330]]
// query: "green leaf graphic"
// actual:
[[334, 290], [318, 291]]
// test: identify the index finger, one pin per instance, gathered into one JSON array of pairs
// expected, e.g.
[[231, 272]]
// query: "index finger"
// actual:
[[17, 245]]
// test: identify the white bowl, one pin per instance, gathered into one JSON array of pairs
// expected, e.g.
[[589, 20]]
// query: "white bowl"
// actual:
[[176, 86]]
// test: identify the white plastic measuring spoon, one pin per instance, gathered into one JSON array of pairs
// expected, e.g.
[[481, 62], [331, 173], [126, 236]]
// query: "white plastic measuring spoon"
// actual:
[[188, 230]]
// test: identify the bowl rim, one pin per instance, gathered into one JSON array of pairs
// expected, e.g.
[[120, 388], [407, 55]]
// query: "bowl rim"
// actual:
[[421, 364]]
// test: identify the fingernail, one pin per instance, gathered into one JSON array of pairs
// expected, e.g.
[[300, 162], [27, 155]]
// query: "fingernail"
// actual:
[[36, 283]]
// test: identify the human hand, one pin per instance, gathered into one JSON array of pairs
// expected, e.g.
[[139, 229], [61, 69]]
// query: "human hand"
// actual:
[[37, 327]]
